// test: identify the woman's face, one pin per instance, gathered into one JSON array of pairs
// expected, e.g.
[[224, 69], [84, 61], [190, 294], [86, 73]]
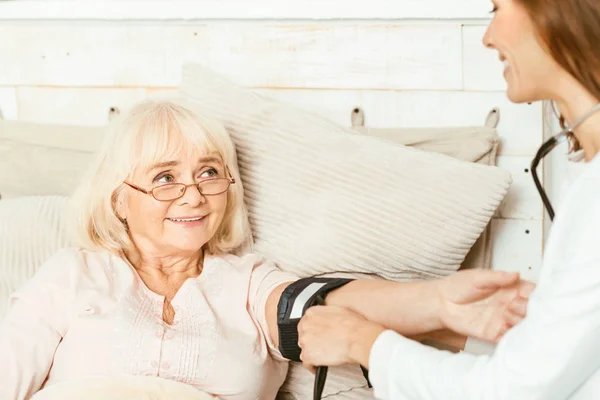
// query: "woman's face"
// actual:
[[179, 226], [530, 72]]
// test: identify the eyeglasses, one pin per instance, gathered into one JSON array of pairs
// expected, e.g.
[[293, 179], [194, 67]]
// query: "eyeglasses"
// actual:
[[174, 191]]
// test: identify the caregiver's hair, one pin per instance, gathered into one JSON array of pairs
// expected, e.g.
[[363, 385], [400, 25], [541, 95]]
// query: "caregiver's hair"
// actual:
[[570, 31], [151, 132]]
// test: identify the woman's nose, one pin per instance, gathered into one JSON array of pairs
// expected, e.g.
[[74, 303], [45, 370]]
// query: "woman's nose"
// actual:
[[193, 196], [487, 38]]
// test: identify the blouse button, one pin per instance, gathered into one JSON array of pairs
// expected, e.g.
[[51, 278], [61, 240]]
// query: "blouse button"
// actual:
[[165, 365], [90, 311], [154, 364], [169, 336], [159, 334]]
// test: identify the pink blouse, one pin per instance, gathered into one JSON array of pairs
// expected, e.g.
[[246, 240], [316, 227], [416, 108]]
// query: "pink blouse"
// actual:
[[88, 314]]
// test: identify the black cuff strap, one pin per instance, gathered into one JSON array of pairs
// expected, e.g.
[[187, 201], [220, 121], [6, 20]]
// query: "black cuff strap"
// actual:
[[294, 302]]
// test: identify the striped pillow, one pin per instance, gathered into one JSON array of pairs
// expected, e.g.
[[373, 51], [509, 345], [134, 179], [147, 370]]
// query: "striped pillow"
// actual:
[[32, 229], [323, 198]]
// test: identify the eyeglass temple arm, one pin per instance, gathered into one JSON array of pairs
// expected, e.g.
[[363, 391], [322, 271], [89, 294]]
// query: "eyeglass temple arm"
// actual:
[[231, 178], [136, 187]]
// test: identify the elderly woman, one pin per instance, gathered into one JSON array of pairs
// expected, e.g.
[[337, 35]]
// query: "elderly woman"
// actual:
[[160, 284]]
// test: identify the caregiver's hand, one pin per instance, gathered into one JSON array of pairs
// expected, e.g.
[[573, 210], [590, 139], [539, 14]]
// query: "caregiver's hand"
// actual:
[[330, 335], [482, 303]]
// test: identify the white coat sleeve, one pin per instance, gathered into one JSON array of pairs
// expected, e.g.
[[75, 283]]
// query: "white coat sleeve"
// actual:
[[547, 356]]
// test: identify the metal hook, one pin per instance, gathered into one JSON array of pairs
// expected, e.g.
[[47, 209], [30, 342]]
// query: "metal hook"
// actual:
[[357, 117], [493, 118], [113, 112]]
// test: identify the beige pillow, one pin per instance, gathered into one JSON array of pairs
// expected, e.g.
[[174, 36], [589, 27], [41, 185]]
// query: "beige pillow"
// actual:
[[43, 159], [323, 198], [475, 144]]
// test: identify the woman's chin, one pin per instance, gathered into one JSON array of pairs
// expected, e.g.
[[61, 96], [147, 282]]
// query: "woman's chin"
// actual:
[[185, 246], [517, 93], [518, 96]]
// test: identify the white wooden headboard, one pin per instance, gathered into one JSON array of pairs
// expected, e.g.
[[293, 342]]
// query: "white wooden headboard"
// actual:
[[405, 63]]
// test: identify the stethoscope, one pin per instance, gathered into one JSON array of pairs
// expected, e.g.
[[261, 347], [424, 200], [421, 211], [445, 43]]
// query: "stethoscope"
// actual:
[[547, 147]]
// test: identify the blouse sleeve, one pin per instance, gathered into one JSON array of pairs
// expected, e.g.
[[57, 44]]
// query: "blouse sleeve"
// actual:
[[264, 279], [34, 325]]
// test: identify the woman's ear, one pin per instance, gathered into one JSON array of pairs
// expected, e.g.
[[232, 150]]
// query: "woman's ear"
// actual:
[[119, 203]]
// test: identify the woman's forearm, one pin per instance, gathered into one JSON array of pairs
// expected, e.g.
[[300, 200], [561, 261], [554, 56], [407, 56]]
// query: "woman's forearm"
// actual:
[[409, 308], [446, 337]]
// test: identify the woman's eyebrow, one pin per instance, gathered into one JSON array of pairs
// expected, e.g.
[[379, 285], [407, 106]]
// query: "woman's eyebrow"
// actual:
[[202, 160], [163, 164], [209, 159]]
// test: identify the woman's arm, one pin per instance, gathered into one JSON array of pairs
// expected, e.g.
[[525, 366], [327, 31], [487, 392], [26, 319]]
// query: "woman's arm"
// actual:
[[450, 340], [32, 329], [443, 336], [409, 307], [420, 319], [479, 303], [475, 303]]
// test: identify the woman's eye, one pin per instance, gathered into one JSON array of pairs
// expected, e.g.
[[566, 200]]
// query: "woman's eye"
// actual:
[[494, 10], [209, 173], [165, 178]]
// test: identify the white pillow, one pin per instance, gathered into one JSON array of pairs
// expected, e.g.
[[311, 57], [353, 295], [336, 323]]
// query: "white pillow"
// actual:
[[32, 229], [121, 388], [323, 198]]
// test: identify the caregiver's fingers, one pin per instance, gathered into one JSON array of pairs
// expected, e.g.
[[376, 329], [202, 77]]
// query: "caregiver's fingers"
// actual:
[[502, 330], [491, 280], [513, 319], [518, 306], [526, 288]]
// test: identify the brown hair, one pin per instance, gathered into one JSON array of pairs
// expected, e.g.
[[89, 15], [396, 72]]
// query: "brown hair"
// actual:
[[570, 29]]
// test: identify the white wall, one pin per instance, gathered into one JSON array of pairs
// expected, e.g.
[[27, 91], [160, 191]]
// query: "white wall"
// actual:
[[406, 63]]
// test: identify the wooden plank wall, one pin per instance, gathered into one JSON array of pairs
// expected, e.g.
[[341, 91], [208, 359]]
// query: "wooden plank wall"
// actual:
[[413, 66]]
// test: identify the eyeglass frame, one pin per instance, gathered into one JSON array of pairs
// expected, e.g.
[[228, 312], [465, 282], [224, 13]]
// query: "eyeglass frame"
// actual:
[[231, 180]]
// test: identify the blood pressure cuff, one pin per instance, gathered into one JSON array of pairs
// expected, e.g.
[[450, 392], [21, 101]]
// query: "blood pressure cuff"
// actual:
[[294, 302]]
